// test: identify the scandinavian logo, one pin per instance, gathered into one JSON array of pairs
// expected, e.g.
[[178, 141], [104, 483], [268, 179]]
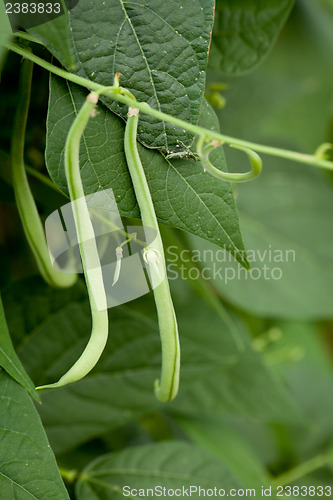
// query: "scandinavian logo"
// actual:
[[122, 251]]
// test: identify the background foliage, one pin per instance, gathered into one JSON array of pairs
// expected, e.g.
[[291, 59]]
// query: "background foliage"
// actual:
[[255, 406]]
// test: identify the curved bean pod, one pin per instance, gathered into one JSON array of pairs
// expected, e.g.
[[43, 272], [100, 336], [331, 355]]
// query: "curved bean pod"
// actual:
[[30, 219], [89, 253], [167, 387]]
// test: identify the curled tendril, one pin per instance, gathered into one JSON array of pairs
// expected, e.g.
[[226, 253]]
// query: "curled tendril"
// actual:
[[204, 152], [322, 152]]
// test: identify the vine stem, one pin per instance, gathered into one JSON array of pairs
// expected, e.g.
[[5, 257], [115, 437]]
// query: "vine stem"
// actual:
[[302, 470], [29, 215], [42, 178], [167, 387], [117, 95], [203, 152], [88, 250]]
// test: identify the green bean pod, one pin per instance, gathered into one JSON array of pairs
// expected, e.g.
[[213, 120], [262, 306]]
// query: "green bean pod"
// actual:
[[29, 216], [167, 387], [89, 252]]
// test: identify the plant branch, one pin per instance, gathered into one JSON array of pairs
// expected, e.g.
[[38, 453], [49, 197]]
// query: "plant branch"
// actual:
[[118, 95], [43, 178], [302, 470]]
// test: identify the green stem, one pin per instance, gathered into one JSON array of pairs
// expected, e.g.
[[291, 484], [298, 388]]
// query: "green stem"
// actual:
[[31, 222], [88, 250], [302, 470], [26, 36], [42, 178], [117, 95], [166, 389], [114, 227], [68, 475]]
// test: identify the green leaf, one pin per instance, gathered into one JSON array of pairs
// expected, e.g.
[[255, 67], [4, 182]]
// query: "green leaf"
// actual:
[[56, 35], [289, 206], [244, 386], [28, 469], [171, 465], [291, 97], [302, 356], [160, 48], [245, 31], [9, 360], [184, 197], [219, 372], [222, 441], [287, 227], [5, 32]]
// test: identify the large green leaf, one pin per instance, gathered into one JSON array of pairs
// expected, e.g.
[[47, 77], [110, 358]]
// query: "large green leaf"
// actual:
[[291, 97], [57, 36], [28, 470], [306, 364], [159, 47], [183, 195], [170, 465], [222, 441], [244, 32], [51, 330], [9, 360], [289, 207], [286, 220]]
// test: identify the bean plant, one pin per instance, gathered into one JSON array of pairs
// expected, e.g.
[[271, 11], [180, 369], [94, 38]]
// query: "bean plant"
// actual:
[[166, 242]]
